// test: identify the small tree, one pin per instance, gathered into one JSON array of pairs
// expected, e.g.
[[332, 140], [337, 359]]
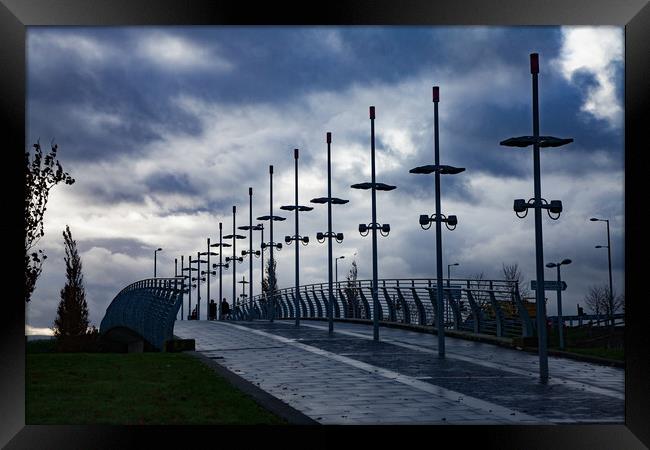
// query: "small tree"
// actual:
[[72, 313], [270, 273], [351, 291], [41, 175], [512, 273]]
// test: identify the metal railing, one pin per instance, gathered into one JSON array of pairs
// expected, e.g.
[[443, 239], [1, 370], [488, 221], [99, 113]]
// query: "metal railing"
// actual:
[[477, 306], [147, 307]]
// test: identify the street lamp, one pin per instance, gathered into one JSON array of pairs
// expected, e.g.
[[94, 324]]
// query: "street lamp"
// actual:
[[538, 203], [449, 221], [559, 298], [183, 277], [198, 280], [320, 237], [296, 237], [221, 266], [209, 272], [189, 269], [271, 218], [234, 258], [364, 229], [154, 260], [609, 260], [250, 251], [336, 266]]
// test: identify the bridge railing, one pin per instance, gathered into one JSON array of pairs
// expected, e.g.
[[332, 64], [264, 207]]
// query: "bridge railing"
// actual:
[[478, 306], [147, 307]]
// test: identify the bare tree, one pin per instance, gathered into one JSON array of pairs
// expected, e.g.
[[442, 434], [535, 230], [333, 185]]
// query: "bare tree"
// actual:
[[479, 285], [72, 313], [597, 300], [41, 175], [513, 273]]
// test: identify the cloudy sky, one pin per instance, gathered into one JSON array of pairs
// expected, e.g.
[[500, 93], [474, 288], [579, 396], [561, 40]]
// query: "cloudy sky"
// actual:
[[164, 129]]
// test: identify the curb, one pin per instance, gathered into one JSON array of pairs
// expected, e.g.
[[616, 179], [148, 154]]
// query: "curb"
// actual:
[[260, 396]]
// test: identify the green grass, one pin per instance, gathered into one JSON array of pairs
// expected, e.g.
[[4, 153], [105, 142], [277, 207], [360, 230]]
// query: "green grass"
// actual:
[[609, 353], [135, 388]]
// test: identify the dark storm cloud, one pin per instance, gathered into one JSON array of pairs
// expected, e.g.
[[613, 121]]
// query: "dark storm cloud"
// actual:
[[128, 246]]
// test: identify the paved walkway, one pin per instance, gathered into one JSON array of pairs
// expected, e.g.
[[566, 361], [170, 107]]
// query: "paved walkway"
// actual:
[[350, 379]]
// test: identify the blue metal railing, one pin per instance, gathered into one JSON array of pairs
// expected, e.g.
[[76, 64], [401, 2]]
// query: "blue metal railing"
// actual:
[[147, 307]]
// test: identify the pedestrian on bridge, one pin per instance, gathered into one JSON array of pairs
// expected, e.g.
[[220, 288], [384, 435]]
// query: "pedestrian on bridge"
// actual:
[[225, 309]]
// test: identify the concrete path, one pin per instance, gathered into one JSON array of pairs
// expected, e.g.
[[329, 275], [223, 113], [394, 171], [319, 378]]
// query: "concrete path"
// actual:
[[350, 379]]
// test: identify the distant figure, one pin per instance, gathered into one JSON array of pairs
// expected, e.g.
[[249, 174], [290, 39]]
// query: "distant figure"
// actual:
[[212, 310], [193, 315], [225, 309]]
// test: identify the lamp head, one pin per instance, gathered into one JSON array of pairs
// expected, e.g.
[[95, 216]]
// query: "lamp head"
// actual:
[[363, 228], [593, 219], [287, 239], [452, 221], [555, 207], [424, 219], [319, 236], [339, 236], [520, 205], [566, 261]]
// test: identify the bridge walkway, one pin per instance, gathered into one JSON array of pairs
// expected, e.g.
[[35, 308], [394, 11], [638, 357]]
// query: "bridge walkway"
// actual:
[[350, 379]]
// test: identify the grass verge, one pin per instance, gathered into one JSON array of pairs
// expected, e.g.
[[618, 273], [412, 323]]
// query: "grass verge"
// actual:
[[133, 389]]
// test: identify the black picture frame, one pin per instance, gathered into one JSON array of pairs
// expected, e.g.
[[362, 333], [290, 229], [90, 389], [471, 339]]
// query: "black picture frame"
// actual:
[[634, 15]]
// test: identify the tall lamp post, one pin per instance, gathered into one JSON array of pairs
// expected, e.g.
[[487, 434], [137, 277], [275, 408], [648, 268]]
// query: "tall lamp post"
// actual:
[[250, 251], [234, 258], [538, 203], [373, 226], [336, 269], [184, 290], [198, 280], [560, 288], [154, 260], [221, 266], [208, 272], [271, 245], [609, 260], [320, 237], [189, 269], [439, 218], [296, 237]]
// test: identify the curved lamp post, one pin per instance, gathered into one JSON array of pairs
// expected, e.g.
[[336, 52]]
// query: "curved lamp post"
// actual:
[[320, 237], [538, 203], [373, 226], [271, 245], [609, 260], [560, 288], [296, 237]]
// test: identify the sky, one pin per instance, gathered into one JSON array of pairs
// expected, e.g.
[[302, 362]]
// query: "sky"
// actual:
[[165, 128]]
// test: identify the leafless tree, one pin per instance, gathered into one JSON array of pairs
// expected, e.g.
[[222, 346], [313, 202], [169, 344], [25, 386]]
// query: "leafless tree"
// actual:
[[513, 273], [597, 300]]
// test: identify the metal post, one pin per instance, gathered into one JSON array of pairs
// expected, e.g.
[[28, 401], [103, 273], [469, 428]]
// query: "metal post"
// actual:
[[182, 273], [155, 253], [262, 258], [297, 245], [330, 315], [559, 308], [539, 247], [271, 301], [611, 290], [439, 295], [207, 301], [250, 251], [189, 298], [198, 285], [234, 261], [375, 287], [220, 270]]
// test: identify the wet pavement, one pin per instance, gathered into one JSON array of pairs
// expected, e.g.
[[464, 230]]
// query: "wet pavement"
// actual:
[[348, 378]]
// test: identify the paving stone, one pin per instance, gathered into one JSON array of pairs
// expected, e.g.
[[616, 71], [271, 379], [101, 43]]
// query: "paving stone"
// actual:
[[350, 379]]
